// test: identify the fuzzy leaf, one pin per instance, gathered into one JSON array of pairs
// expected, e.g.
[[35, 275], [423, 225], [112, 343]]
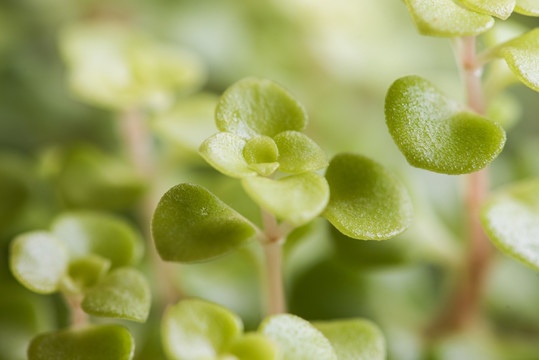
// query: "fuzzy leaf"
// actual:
[[224, 151], [367, 202], [39, 261], [196, 329], [253, 107], [102, 234], [527, 7], [191, 224], [254, 346], [297, 339], [437, 134], [103, 342], [85, 272], [296, 198], [354, 339], [123, 294], [447, 19], [522, 57], [499, 8], [511, 220], [298, 153]]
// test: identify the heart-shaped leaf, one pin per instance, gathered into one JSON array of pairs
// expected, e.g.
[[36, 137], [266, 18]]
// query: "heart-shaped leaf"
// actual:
[[296, 198], [85, 272], [522, 57], [196, 329], [39, 261], [102, 234], [435, 133], [511, 220], [191, 224], [123, 294], [297, 339], [446, 18], [224, 151], [499, 8], [367, 202], [527, 7], [354, 339], [298, 153], [253, 107], [254, 346], [103, 342]]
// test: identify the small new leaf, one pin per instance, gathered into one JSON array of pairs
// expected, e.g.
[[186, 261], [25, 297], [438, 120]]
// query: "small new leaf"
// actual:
[[190, 224], [254, 346], [298, 153], [39, 261], [103, 342], [447, 19], [511, 220], [367, 202], [85, 272], [437, 134], [224, 151], [122, 294]]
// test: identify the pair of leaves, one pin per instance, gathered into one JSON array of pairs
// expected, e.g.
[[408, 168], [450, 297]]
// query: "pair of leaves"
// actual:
[[75, 257], [196, 329]]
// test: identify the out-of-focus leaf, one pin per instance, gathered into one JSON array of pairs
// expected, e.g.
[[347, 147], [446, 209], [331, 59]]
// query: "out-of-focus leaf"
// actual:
[[253, 107], [191, 224], [296, 198], [254, 346], [437, 134], [124, 294], [39, 261], [354, 339], [505, 110], [446, 18], [511, 220], [499, 8], [104, 342], [297, 339], [298, 153], [527, 7], [102, 234], [367, 202], [14, 195], [224, 151], [196, 329]]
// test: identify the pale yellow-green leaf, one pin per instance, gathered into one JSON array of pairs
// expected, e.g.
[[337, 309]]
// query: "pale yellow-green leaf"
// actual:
[[527, 7], [298, 153], [254, 346], [224, 151], [499, 8]]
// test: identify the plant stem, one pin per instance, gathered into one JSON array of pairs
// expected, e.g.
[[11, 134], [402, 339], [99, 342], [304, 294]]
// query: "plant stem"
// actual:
[[78, 317], [273, 249]]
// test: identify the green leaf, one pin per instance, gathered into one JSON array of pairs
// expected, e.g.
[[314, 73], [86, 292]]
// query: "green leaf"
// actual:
[[527, 7], [511, 220], [447, 19], [85, 272], [14, 195], [261, 154], [367, 202], [103, 342], [253, 107], [437, 134], [39, 261], [296, 198], [224, 151], [298, 153], [354, 339], [191, 224], [499, 8], [505, 109], [297, 339], [196, 329], [123, 294], [522, 57], [254, 346], [101, 234]]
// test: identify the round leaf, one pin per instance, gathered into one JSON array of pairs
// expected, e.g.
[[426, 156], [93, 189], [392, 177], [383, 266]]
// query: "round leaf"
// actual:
[[103, 342], [511, 220], [253, 107], [499, 8], [191, 224], [260, 149], [196, 329], [297, 339], [296, 198], [254, 346], [105, 235], [447, 19], [435, 133], [527, 7], [123, 294], [354, 339], [224, 151], [85, 272], [298, 153], [39, 261], [367, 202]]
